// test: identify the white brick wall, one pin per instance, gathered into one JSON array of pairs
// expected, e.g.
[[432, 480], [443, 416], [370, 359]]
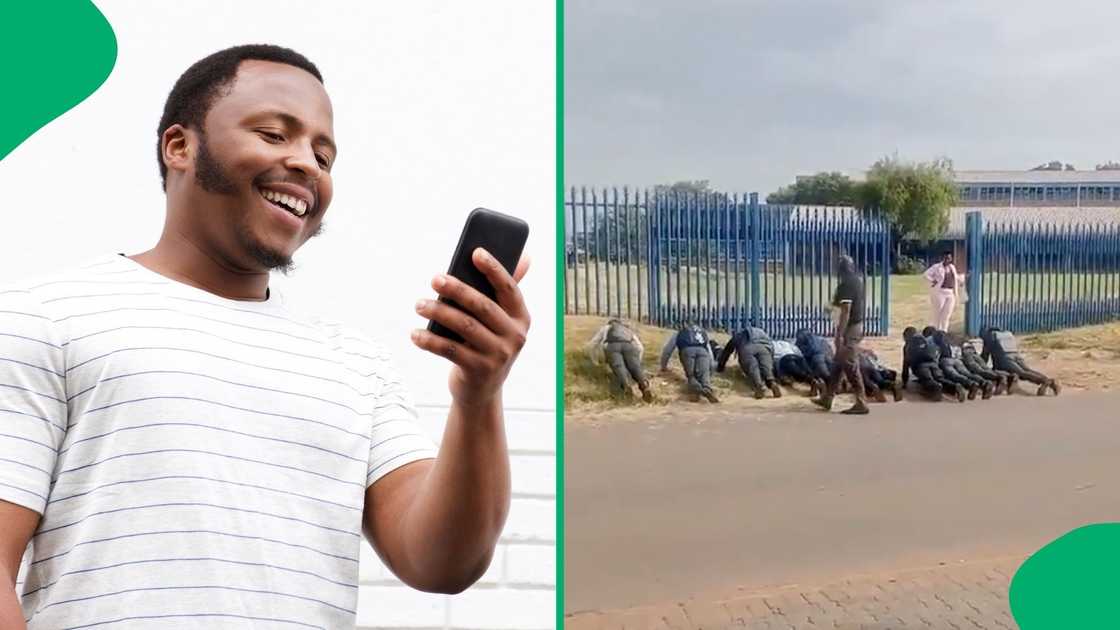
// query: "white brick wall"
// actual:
[[519, 590]]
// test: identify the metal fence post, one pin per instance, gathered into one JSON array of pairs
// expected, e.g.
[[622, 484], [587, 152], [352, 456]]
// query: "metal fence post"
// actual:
[[756, 289], [885, 297], [974, 246]]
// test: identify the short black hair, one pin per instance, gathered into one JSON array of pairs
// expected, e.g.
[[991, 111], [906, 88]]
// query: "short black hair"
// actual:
[[197, 88]]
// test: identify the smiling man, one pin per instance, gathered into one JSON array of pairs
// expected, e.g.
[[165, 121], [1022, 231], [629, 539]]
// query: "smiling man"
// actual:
[[182, 450]]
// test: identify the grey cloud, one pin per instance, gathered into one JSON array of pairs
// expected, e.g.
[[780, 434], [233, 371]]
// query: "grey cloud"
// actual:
[[749, 94]]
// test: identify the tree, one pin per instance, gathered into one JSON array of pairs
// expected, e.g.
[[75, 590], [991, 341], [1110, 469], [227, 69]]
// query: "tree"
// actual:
[[684, 186], [1109, 166], [1056, 165], [831, 189], [914, 197]]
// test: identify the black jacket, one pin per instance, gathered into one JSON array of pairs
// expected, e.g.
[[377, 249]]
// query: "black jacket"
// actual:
[[740, 341], [918, 350], [811, 345]]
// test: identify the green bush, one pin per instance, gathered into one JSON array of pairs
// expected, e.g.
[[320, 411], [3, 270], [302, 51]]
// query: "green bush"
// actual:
[[909, 266]]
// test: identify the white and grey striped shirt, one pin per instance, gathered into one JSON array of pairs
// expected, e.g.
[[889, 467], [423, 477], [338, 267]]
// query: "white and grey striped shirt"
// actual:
[[199, 462]]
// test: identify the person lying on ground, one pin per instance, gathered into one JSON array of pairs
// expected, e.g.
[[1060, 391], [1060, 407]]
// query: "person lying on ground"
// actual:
[[1005, 381], [1003, 347], [755, 351], [695, 353], [921, 357], [620, 345], [790, 367], [817, 352], [878, 377], [955, 369]]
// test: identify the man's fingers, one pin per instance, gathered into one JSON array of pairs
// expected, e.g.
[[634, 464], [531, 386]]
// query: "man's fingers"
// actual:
[[509, 294], [472, 331], [474, 303], [457, 353], [522, 268]]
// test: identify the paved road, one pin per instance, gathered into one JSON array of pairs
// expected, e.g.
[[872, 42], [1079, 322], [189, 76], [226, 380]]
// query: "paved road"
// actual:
[[721, 506], [970, 596]]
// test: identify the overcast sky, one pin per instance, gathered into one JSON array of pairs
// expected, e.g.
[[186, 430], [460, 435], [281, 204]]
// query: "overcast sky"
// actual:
[[751, 94]]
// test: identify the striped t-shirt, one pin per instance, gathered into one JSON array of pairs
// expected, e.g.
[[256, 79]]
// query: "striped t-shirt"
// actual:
[[199, 462]]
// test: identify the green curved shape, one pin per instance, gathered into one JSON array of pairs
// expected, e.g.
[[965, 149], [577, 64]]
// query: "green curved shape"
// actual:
[[55, 54], [1072, 582]]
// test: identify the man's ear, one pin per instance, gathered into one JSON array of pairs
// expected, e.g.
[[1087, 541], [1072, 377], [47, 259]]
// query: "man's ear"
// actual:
[[177, 144]]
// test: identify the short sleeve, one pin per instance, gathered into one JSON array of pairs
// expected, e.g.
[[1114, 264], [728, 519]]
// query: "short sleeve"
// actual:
[[396, 437], [33, 408]]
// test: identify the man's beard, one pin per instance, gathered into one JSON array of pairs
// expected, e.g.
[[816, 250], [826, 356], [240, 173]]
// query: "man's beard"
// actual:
[[212, 177]]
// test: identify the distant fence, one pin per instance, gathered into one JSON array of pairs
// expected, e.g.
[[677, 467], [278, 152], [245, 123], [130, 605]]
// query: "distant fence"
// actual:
[[1029, 277], [724, 260]]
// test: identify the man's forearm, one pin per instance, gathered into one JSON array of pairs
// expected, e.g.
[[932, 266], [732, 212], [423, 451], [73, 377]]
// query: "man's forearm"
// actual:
[[453, 525], [11, 615], [842, 325]]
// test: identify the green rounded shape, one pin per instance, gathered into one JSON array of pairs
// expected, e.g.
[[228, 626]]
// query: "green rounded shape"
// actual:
[[56, 53], [1072, 582]]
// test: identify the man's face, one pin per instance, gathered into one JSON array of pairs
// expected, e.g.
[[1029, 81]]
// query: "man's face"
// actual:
[[947, 259], [272, 134]]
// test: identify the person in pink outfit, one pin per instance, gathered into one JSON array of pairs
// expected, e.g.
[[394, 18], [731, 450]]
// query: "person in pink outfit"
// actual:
[[944, 290]]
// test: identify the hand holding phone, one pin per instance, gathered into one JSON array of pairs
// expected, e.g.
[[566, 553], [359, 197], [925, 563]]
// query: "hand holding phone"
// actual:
[[480, 320]]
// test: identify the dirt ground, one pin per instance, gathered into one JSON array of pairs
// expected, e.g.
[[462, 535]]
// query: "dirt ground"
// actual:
[[1082, 359]]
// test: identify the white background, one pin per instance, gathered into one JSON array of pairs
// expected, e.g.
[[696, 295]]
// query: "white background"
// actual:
[[439, 107]]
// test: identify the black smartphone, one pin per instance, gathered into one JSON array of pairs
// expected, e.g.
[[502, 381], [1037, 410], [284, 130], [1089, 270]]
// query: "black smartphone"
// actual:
[[501, 235]]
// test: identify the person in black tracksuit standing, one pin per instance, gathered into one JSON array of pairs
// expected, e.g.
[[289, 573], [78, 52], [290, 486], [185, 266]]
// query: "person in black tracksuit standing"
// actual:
[[1004, 350], [955, 369], [1005, 381], [849, 299], [692, 345], [921, 356], [756, 358]]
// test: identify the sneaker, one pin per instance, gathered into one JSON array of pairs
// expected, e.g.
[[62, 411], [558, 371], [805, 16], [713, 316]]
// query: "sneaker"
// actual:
[[987, 391], [897, 392], [1001, 384], [774, 389], [972, 391], [1056, 386], [1042, 389], [758, 393], [858, 409], [824, 402], [647, 394], [711, 396], [1012, 383], [961, 393]]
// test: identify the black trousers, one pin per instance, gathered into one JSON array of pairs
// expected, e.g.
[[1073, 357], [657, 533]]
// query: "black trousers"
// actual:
[[625, 364], [697, 364], [795, 367], [930, 379], [847, 363], [979, 369], [820, 366], [1016, 365], [757, 363], [874, 378], [955, 371]]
